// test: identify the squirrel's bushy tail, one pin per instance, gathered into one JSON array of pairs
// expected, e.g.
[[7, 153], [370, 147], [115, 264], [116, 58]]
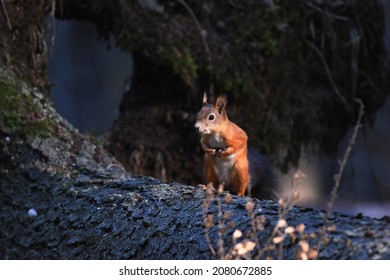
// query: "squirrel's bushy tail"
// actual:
[[264, 182]]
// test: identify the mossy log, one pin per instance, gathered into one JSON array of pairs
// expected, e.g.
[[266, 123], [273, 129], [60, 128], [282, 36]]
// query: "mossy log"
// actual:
[[98, 212], [63, 197]]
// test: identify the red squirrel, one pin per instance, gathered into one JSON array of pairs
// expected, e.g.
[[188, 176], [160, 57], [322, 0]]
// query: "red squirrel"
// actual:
[[226, 159]]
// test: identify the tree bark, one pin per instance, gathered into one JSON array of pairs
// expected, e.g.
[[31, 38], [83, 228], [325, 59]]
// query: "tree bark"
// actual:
[[88, 208], [106, 214]]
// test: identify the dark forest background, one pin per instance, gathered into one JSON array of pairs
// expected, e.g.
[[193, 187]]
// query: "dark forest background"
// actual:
[[292, 72]]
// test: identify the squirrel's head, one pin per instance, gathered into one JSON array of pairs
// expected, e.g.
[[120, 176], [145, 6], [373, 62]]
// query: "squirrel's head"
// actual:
[[211, 116]]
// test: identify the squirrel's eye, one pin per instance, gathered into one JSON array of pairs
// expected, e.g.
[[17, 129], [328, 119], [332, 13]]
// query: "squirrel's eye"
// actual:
[[211, 117]]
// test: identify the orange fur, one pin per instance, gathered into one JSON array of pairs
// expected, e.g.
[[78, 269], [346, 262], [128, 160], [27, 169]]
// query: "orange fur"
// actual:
[[225, 147]]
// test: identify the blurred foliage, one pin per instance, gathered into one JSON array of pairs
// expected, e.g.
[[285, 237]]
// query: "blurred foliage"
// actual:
[[23, 67], [23, 48], [291, 69], [19, 114]]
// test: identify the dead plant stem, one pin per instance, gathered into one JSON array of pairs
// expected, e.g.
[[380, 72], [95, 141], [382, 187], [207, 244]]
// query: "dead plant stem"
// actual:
[[345, 158], [328, 73], [204, 41], [339, 174], [6, 14]]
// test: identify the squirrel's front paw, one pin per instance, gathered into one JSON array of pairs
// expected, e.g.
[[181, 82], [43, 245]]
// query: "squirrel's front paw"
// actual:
[[210, 151], [219, 151]]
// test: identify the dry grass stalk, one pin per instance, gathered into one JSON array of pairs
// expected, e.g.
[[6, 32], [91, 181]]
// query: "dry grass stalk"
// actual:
[[243, 249], [285, 205], [6, 14], [337, 177], [346, 155], [203, 35], [221, 226], [208, 219]]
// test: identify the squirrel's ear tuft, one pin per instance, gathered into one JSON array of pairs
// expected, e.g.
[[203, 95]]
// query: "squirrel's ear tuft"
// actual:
[[220, 105], [204, 100]]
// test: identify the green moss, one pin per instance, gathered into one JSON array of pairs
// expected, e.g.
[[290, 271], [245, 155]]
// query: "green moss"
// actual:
[[261, 59], [19, 114], [182, 61], [269, 43]]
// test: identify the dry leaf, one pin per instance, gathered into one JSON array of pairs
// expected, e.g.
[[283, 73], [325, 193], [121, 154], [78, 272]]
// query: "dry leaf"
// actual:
[[304, 246], [300, 228], [249, 206], [299, 175], [278, 239], [281, 223], [237, 234], [289, 230]]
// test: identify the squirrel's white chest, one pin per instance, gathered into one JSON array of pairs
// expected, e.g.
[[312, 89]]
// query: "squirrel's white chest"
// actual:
[[223, 168]]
